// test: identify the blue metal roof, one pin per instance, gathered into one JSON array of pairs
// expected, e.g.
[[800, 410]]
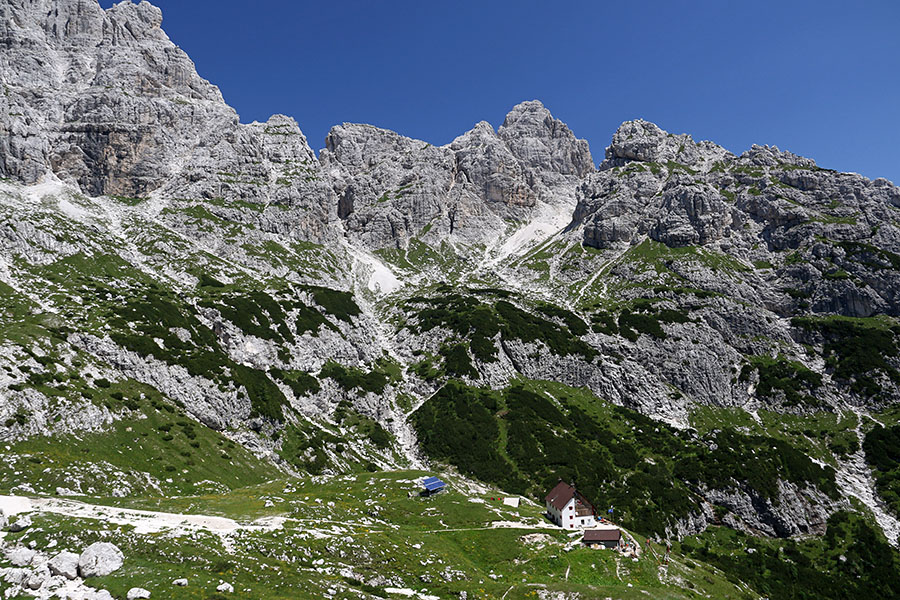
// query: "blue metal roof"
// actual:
[[433, 484]]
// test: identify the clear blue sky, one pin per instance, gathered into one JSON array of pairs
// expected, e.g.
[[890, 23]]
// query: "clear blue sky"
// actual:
[[820, 77]]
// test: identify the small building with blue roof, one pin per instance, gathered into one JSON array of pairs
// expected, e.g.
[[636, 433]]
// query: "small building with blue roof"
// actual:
[[432, 485]]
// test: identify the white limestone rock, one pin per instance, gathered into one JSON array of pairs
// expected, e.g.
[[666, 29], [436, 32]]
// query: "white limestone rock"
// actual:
[[37, 579], [103, 98], [644, 141], [100, 559], [64, 564], [21, 523], [21, 556]]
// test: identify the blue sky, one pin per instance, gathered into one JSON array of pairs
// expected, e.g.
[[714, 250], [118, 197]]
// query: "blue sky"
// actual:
[[820, 78]]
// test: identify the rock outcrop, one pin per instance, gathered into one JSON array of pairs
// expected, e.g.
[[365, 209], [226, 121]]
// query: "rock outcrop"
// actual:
[[794, 511], [35, 573], [21, 557], [104, 101], [753, 207], [22, 523], [646, 142]]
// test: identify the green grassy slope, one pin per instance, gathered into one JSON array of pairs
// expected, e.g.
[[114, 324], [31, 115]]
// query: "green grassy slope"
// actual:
[[153, 445], [355, 536]]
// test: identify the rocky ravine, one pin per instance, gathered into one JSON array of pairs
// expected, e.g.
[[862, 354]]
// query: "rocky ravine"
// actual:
[[152, 242]]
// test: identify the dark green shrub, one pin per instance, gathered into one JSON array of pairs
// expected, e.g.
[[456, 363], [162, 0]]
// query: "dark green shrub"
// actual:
[[351, 378], [335, 302], [640, 323], [790, 377], [457, 362], [207, 280], [266, 399], [300, 382], [855, 348], [480, 323], [882, 448]]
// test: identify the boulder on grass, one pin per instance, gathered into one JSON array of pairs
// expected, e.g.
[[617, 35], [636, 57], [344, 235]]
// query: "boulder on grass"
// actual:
[[20, 524], [100, 559], [21, 557], [64, 564]]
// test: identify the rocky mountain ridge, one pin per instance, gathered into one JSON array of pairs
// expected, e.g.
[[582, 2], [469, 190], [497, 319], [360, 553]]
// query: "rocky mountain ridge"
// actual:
[[158, 256]]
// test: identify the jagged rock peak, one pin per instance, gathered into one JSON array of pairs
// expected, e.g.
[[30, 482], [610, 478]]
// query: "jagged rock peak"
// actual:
[[91, 42], [771, 156], [362, 145], [102, 99], [539, 140], [644, 141], [392, 188]]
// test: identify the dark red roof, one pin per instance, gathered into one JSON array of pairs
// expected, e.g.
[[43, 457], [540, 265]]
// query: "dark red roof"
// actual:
[[602, 535], [560, 495]]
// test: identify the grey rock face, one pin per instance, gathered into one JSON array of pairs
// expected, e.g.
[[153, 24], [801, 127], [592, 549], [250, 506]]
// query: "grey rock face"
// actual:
[[64, 564], [646, 185], [391, 188], [101, 98], [266, 168], [388, 186], [488, 165], [691, 216], [100, 559], [543, 143], [753, 207], [137, 594], [793, 512], [105, 101]]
